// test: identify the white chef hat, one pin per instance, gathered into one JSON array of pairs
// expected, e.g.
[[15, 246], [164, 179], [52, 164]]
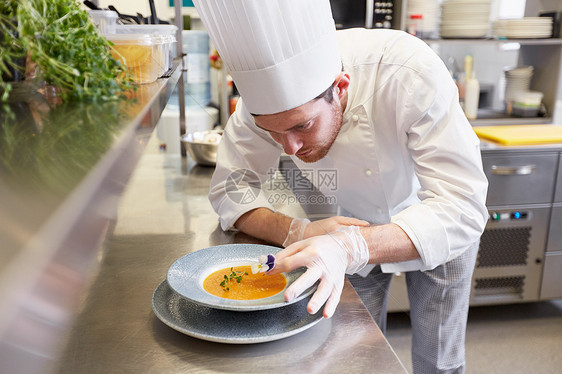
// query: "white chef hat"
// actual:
[[280, 53]]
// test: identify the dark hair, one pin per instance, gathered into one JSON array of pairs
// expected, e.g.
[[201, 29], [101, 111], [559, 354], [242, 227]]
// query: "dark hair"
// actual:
[[327, 95]]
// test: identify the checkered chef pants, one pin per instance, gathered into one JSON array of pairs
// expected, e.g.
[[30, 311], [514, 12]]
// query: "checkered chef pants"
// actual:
[[439, 301]]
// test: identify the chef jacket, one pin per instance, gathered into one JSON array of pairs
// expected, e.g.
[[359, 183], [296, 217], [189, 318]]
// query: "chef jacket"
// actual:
[[405, 154]]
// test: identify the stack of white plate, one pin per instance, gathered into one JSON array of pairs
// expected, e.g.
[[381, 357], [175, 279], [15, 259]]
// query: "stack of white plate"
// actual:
[[516, 80], [429, 9], [465, 18], [523, 28]]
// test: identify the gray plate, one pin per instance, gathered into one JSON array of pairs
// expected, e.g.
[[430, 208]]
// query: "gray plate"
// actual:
[[230, 327], [187, 274]]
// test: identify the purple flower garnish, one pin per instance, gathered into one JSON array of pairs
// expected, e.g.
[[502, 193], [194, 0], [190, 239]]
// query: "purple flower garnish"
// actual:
[[265, 263]]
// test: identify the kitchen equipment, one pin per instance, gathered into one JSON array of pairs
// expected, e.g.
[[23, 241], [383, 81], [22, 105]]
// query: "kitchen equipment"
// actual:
[[168, 127], [383, 12], [91, 5], [153, 17], [521, 134], [363, 13], [509, 263], [552, 273], [187, 274], [105, 20], [202, 146], [126, 19], [198, 76], [229, 327], [512, 247]]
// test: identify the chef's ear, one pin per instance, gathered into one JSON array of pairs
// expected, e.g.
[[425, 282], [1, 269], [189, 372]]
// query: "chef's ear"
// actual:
[[341, 83]]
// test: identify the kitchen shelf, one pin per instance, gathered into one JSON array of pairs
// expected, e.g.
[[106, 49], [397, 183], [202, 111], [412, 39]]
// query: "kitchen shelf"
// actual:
[[510, 121], [489, 117], [544, 54], [548, 41], [62, 171]]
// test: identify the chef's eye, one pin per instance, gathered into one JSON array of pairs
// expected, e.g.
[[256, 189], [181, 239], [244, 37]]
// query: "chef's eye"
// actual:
[[306, 126]]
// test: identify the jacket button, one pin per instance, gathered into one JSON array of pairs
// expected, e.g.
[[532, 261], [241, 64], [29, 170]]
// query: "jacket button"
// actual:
[[355, 118], [368, 172]]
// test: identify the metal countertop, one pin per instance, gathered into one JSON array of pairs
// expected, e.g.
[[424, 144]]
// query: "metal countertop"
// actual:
[[63, 168], [163, 215]]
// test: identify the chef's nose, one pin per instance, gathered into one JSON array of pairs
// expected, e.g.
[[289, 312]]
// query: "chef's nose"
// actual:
[[291, 143]]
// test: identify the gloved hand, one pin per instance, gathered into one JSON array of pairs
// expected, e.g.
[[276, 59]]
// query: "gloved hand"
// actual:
[[302, 228], [296, 231], [327, 258]]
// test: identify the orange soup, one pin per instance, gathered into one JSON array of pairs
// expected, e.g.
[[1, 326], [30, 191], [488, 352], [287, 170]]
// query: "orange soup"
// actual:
[[238, 283]]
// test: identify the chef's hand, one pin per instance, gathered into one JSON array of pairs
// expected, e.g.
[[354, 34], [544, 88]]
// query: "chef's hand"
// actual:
[[327, 258], [302, 228]]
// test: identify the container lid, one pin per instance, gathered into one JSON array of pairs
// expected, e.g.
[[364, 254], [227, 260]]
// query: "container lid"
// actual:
[[137, 39], [163, 38], [146, 29], [167, 38], [528, 97], [100, 13]]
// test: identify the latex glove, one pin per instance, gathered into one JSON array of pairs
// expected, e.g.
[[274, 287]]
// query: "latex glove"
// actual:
[[296, 231], [302, 228], [327, 259]]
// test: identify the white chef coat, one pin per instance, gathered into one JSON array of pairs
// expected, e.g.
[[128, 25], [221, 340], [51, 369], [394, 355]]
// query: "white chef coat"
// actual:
[[405, 153]]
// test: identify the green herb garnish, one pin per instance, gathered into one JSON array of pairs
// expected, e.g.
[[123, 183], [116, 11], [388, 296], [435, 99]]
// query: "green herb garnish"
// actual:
[[233, 276]]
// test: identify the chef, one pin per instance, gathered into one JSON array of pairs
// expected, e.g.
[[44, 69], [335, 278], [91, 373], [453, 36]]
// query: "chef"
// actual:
[[379, 110]]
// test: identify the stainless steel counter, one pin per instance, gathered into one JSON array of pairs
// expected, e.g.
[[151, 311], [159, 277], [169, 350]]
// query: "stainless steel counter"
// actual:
[[62, 170], [163, 215]]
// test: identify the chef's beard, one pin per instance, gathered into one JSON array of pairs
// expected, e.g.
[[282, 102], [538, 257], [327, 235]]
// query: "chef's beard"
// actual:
[[321, 150]]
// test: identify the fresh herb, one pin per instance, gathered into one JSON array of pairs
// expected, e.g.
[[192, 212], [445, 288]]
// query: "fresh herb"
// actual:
[[234, 276], [60, 39]]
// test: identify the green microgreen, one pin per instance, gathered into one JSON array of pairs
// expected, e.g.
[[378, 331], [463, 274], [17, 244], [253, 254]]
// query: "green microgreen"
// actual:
[[60, 39], [234, 276]]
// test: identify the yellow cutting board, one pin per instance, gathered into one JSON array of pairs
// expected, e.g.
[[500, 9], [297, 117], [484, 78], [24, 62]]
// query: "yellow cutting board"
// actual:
[[521, 134]]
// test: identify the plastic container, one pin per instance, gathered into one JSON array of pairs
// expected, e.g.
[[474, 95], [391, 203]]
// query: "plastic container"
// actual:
[[471, 89], [526, 103], [414, 26], [105, 20], [165, 36], [471, 97], [198, 77], [140, 53]]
